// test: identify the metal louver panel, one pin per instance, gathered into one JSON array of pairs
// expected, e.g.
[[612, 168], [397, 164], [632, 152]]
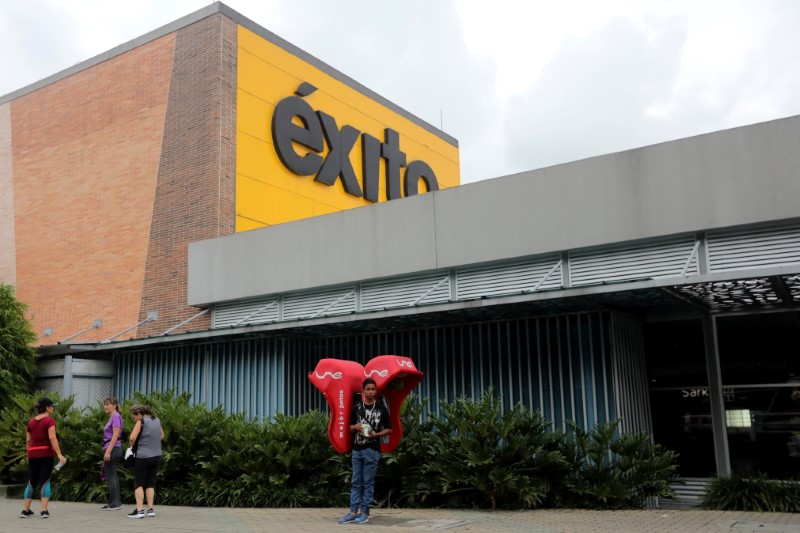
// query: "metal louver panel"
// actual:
[[405, 292], [560, 365], [241, 313], [627, 262], [630, 374], [245, 376], [514, 278], [319, 303], [734, 250]]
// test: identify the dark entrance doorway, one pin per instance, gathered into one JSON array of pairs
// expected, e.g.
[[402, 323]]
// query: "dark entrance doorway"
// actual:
[[679, 400], [760, 372]]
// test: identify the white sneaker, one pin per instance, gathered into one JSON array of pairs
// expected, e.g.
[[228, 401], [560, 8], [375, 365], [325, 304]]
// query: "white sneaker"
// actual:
[[151, 512]]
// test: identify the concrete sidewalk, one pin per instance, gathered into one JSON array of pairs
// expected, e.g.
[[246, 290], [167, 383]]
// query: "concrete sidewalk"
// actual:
[[88, 518]]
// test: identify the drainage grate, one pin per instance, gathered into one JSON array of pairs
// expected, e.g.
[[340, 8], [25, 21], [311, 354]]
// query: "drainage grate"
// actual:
[[767, 527]]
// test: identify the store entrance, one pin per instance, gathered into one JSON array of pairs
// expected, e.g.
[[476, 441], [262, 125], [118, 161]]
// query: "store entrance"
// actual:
[[680, 405], [761, 393], [761, 369]]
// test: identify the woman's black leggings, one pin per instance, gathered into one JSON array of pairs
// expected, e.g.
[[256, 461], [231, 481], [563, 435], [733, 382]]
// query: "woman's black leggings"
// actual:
[[39, 471]]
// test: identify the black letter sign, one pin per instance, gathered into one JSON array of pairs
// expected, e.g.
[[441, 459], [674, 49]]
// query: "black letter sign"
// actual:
[[337, 162], [390, 150], [370, 165], [420, 170], [319, 128], [284, 132]]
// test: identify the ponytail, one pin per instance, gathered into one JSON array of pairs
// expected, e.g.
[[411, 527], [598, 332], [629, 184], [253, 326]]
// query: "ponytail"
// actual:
[[112, 400]]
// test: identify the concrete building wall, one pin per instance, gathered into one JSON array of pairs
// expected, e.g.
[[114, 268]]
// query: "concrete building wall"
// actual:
[[741, 176], [355, 244], [734, 177]]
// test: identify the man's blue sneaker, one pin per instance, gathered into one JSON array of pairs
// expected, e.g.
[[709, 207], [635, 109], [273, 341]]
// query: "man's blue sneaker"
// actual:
[[349, 517], [361, 518]]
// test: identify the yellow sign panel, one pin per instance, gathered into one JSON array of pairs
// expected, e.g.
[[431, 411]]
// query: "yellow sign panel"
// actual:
[[308, 144]]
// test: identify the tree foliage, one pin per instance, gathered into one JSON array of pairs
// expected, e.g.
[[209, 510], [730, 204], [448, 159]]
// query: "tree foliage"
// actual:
[[17, 355]]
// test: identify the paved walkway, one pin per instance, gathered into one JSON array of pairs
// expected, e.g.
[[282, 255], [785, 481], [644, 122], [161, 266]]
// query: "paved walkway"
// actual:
[[87, 518]]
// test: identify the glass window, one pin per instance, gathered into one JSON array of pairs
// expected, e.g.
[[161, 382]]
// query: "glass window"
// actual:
[[757, 349], [675, 354], [761, 371], [764, 430]]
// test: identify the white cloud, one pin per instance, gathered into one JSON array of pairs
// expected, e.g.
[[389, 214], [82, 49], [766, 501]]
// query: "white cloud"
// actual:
[[521, 84]]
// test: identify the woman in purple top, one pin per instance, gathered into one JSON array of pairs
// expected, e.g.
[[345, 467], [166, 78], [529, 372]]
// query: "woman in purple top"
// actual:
[[112, 452]]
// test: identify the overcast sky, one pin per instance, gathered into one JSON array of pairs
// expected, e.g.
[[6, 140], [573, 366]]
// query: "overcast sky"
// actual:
[[521, 84]]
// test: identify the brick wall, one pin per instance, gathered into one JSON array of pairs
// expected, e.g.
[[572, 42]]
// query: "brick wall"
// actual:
[[194, 197], [85, 166], [8, 266]]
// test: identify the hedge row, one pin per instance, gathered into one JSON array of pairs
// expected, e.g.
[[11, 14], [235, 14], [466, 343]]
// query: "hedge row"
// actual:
[[475, 454]]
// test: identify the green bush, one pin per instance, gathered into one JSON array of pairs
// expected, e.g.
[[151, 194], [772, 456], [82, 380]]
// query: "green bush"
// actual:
[[210, 458], [80, 436], [477, 455], [474, 455], [399, 478], [757, 494], [611, 471], [14, 416]]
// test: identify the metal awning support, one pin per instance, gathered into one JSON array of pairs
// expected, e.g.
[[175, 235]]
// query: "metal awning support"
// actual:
[[47, 333], [546, 276], [691, 256], [173, 328], [95, 324], [782, 290], [718, 422], [331, 305], [151, 315], [256, 312], [430, 291]]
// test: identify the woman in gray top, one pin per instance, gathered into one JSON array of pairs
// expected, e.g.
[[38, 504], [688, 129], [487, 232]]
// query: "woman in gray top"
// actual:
[[148, 456]]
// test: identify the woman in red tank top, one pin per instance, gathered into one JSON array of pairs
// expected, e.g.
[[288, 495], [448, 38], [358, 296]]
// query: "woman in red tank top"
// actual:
[[42, 445]]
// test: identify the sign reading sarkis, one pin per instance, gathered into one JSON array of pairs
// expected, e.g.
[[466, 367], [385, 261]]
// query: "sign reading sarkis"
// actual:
[[318, 129]]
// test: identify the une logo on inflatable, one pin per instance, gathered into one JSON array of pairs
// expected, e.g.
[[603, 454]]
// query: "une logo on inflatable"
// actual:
[[340, 381], [318, 128]]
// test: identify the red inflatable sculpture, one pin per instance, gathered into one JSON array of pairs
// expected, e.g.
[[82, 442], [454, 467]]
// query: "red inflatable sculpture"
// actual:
[[339, 381]]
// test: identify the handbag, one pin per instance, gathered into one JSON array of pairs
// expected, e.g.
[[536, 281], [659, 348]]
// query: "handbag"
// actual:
[[130, 457], [130, 453]]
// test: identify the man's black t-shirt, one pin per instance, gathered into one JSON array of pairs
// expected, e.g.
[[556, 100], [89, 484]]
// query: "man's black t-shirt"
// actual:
[[376, 415]]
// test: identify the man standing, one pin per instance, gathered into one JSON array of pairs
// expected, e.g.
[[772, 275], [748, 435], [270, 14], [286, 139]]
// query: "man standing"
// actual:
[[369, 421]]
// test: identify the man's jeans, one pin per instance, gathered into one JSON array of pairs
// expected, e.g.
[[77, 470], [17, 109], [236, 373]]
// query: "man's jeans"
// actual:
[[365, 465]]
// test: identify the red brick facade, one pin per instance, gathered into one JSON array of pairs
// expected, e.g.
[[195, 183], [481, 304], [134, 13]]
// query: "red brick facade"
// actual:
[[116, 168], [85, 161], [195, 192]]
